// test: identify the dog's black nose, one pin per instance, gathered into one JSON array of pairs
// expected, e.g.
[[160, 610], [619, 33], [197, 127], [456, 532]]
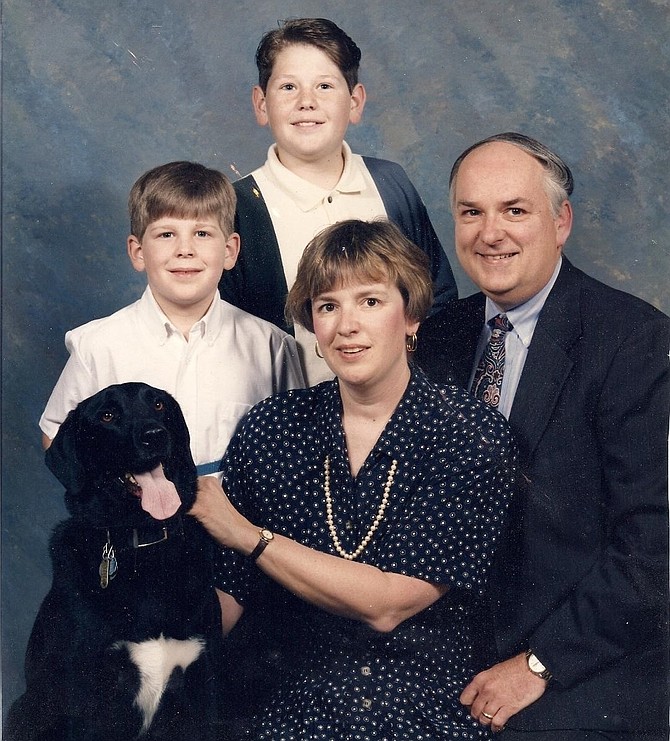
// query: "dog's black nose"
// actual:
[[154, 437]]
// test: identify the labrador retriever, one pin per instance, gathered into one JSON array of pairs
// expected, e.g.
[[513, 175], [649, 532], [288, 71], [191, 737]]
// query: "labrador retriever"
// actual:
[[128, 642]]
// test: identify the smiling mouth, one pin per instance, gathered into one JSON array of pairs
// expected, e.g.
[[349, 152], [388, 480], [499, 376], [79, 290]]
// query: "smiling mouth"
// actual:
[[497, 258], [351, 350]]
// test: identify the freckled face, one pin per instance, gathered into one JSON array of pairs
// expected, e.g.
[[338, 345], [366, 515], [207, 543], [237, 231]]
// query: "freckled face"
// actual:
[[308, 105], [361, 330], [184, 260], [507, 238]]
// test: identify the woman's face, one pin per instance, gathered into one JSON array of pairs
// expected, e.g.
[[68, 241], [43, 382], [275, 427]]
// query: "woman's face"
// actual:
[[361, 329]]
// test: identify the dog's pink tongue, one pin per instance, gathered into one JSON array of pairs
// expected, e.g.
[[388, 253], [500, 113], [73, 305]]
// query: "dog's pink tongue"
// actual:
[[159, 496]]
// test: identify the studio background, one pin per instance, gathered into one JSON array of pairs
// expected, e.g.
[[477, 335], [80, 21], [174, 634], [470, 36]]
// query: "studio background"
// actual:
[[95, 93]]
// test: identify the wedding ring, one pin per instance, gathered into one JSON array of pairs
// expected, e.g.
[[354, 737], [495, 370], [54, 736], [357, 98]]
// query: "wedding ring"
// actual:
[[487, 716]]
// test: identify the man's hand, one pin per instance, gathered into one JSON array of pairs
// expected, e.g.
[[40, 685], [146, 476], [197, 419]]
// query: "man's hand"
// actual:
[[498, 693]]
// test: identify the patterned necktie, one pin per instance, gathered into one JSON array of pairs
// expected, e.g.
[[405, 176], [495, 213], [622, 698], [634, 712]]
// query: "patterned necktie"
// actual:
[[487, 382]]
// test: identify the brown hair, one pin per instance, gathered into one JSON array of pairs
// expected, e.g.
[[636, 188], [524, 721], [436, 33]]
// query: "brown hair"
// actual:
[[318, 32], [355, 250], [182, 190]]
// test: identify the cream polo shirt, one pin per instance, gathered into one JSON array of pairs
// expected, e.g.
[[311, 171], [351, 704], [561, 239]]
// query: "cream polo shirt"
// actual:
[[299, 210], [231, 361]]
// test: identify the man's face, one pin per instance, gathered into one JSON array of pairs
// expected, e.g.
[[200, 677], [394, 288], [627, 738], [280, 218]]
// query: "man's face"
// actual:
[[508, 239]]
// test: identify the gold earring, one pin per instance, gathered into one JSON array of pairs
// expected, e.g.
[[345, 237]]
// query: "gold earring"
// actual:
[[317, 350], [411, 342]]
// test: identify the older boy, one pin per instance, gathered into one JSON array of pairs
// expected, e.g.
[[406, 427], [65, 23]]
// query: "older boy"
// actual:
[[308, 93], [214, 358]]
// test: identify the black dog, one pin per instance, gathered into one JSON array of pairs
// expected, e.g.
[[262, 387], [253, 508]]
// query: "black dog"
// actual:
[[128, 643]]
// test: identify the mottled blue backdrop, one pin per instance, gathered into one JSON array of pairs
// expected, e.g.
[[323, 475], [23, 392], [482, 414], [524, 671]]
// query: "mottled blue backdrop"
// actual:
[[96, 92]]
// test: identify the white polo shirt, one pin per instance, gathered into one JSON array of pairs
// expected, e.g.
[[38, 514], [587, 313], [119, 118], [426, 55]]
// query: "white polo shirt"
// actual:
[[231, 361]]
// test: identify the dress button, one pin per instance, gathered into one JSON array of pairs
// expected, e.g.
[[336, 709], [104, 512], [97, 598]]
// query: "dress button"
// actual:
[[366, 671], [348, 525], [330, 199], [366, 703]]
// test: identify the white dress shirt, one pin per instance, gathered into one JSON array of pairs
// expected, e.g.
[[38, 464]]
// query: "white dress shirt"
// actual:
[[231, 361]]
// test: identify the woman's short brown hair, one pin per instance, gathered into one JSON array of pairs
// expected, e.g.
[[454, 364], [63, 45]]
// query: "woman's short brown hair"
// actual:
[[184, 190], [352, 251]]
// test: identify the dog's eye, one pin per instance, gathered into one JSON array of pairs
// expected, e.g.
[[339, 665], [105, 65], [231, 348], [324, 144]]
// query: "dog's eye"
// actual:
[[107, 417], [158, 405]]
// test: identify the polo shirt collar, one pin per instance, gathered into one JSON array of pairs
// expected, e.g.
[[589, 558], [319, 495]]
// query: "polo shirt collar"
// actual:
[[306, 195]]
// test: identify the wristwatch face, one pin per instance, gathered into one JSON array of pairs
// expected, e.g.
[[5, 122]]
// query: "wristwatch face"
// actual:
[[535, 664], [267, 535]]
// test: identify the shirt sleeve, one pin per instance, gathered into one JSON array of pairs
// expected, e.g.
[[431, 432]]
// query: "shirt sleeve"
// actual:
[[287, 369], [75, 384], [458, 505], [234, 573]]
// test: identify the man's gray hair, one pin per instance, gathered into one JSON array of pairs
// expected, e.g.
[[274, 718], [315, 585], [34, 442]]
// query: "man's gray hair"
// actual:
[[558, 183]]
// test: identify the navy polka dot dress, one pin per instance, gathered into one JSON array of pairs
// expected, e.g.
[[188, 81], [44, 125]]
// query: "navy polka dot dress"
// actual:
[[340, 679]]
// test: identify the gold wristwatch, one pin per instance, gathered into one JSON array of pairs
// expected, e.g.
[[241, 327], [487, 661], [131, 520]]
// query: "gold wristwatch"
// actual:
[[266, 536]]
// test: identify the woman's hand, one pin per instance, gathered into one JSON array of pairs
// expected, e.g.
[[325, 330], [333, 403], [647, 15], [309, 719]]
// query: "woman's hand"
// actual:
[[222, 521]]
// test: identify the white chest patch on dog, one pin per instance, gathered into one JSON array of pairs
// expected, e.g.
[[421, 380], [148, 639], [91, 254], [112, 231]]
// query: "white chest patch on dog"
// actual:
[[156, 660]]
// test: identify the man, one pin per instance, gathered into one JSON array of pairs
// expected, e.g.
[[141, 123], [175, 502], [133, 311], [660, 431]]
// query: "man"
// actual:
[[580, 594]]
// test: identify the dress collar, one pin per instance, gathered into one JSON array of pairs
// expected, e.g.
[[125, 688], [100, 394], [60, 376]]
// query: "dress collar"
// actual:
[[407, 416]]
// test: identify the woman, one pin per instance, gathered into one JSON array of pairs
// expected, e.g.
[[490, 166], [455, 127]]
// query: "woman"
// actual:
[[363, 512]]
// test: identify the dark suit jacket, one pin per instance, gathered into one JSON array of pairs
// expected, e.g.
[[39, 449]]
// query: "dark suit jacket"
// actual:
[[583, 578]]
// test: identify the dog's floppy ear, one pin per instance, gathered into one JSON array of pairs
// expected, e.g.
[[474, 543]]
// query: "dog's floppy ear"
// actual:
[[61, 456], [181, 443]]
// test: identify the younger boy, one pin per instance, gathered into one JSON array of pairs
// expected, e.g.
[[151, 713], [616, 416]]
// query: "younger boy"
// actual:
[[215, 359], [308, 93]]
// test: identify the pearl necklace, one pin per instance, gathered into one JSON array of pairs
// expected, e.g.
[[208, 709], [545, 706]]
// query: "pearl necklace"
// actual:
[[375, 523]]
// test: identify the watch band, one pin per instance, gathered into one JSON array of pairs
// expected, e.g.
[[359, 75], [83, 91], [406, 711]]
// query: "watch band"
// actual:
[[536, 667], [265, 537]]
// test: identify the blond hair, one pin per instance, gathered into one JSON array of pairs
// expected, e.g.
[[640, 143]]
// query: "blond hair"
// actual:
[[182, 190]]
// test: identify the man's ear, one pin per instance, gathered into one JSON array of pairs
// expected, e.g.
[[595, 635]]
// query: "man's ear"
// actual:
[[259, 106], [232, 250], [135, 253], [563, 223], [358, 98]]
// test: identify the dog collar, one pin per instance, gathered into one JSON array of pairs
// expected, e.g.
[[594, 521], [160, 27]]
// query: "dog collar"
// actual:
[[133, 539]]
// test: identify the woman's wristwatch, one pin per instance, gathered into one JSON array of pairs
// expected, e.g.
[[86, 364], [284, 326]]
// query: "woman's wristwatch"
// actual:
[[266, 536], [536, 667]]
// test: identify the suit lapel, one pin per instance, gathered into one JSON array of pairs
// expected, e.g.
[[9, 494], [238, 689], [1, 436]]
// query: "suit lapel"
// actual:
[[549, 361]]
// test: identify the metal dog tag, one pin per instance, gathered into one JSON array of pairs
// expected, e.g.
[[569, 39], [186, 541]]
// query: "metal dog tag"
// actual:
[[108, 565], [104, 573]]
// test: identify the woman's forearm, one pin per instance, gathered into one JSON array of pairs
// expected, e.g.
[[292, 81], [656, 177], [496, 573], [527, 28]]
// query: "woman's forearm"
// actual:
[[350, 589]]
